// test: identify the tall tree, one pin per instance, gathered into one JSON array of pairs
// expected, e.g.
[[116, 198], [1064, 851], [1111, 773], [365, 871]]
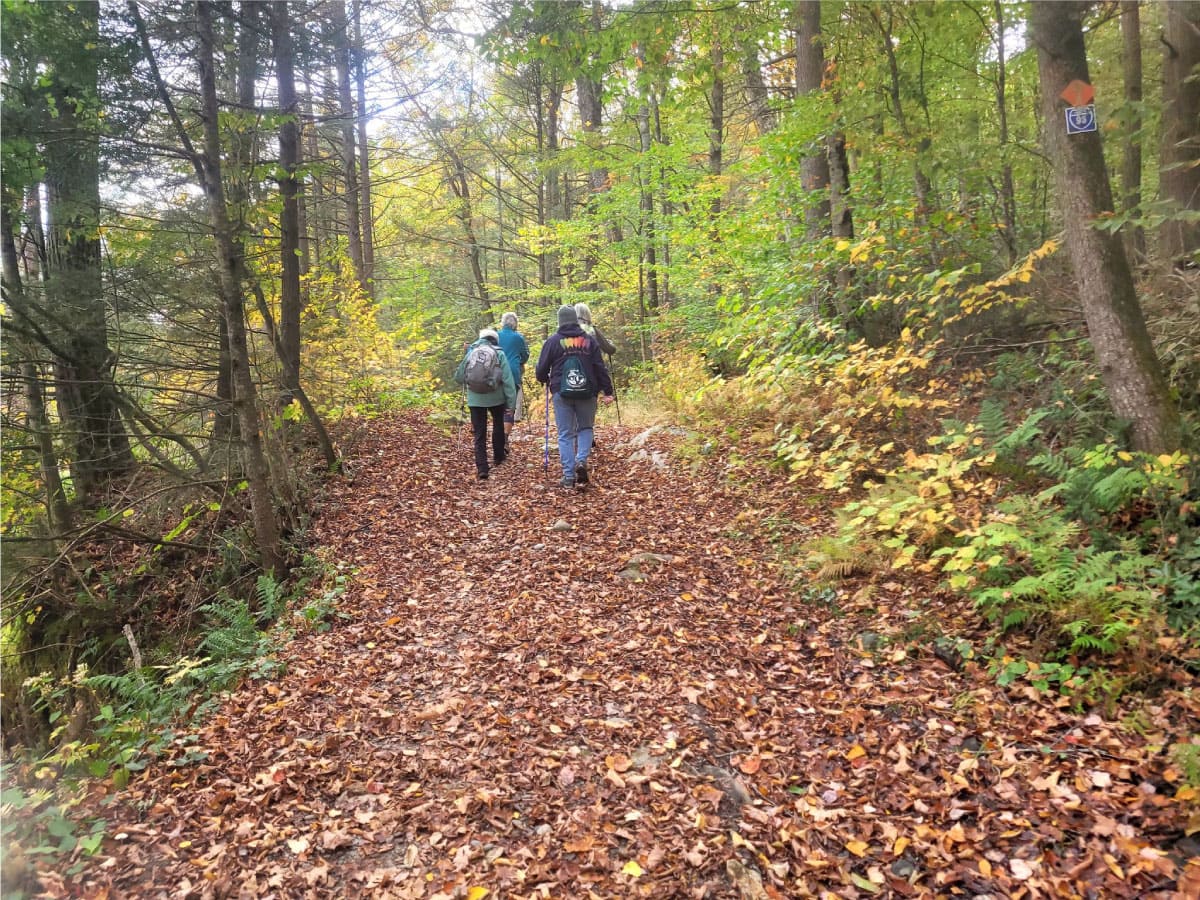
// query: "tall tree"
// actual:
[[230, 268], [589, 91], [1008, 193], [364, 155], [1179, 178], [1131, 372], [86, 393], [58, 512], [1131, 156], [289, 218], [810, 70], [341, 43], [716, 122]]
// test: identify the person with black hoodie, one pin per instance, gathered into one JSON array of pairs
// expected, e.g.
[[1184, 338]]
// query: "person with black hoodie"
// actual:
[[572, 367]]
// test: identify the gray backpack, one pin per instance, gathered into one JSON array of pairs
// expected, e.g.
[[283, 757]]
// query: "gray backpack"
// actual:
[[483, 373]]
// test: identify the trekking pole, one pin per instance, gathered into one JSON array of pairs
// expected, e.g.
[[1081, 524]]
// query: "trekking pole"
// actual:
[[463, 416], [546, 451], [616, 399]]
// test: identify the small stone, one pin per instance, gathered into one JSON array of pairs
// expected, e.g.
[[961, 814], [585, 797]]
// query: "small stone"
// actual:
[[561, 525], [903, 867]]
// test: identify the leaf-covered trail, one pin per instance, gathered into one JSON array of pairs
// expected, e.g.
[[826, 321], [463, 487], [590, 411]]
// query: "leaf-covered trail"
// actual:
[[636, 705]]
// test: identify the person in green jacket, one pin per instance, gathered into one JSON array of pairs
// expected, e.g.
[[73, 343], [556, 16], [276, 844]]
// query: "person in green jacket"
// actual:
[[483, 402]]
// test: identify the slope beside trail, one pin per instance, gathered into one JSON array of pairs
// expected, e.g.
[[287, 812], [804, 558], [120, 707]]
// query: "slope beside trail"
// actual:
[[619, 693]]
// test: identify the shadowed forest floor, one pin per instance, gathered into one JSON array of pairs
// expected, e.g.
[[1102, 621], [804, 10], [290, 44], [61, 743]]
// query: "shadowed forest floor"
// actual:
[[623, 693]]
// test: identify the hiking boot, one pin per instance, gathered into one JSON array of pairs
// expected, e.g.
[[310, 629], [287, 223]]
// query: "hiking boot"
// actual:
[[500, 461], [482, 476], [581, 474], [568, 482]]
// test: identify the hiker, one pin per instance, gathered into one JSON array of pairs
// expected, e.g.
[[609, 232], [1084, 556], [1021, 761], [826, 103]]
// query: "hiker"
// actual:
[[585, 322], [571, 367], [512, 342], [490, 391]]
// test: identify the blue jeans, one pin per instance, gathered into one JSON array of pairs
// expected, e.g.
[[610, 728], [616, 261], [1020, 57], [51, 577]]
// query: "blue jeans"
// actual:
[[575, 420]]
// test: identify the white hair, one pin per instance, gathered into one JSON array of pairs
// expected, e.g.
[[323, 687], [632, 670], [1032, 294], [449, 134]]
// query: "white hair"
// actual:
[[508, 320], [584, 313]]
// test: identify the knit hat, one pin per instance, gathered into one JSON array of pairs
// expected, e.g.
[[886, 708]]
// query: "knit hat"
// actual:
[[567, 316], [490, 334]]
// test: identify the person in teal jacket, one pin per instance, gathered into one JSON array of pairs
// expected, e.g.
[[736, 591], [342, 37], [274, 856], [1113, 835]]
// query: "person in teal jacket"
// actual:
[[491, 403], [512, 342]]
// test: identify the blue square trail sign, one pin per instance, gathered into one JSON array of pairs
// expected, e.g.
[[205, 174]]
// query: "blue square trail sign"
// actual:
[[1081, 118]]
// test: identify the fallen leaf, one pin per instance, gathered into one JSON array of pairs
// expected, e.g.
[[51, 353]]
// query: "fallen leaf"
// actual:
[[1020, 869]]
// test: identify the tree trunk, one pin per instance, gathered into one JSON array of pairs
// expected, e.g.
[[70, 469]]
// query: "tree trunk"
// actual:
[[266, 528], [1179, 181], [1131, 157], [289, 219], [364, 156], [1008, 195], [461, 186], [58, 512], [341, 43], [1132, 376], [922, 187], [756, 88], [716, 123], [647, 230], [225, 425], [591, 111], [315, 215], [810, 70], [88, 402], [556, 207]]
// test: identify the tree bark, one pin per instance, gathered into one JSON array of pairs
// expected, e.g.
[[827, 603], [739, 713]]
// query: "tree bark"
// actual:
[[341, 44], [88, 399], [1179, 179], [289, 219], [922, 187], [1131, 372], [1008, 194], [716, 126], [315, 214], [556, 207], [266, 527], [1131, 157], [647, 231], [810, 70], [364, 156], [756, 88], [591, 111], [58, 512]]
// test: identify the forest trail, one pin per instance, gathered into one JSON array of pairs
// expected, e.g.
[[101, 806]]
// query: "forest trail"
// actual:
[[637, 705]]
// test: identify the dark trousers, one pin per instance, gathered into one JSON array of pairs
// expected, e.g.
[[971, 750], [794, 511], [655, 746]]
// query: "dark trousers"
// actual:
[[479, 422]]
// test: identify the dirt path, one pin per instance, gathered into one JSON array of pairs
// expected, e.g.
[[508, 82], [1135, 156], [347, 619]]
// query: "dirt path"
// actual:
[[538, 693]]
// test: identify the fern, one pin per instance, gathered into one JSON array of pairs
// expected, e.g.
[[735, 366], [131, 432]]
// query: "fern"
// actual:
[[992, 421], [1019, 438], [1116, 489], [1052, 465], [235, 631], [272, 597]]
